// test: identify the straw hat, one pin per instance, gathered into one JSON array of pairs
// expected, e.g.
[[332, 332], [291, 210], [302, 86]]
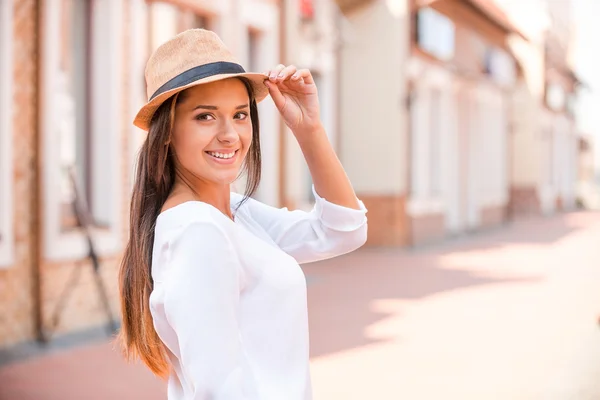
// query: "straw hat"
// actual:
[[191, 58]]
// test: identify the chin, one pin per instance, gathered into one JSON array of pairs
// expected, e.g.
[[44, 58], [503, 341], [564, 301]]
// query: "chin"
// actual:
[[226, 180]]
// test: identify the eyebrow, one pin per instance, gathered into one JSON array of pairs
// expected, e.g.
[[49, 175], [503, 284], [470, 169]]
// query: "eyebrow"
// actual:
[[205, 107]]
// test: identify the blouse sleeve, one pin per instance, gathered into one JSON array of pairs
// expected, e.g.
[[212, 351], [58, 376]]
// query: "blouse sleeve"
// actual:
[[327, 231], [202, 305]]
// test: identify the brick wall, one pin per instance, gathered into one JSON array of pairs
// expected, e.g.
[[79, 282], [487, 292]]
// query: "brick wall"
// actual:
[[17, 309], [83, 309], [18, 284], [523, 201], [388, 225]]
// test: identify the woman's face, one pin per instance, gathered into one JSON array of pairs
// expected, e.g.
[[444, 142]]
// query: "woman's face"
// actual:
[[212, 131]]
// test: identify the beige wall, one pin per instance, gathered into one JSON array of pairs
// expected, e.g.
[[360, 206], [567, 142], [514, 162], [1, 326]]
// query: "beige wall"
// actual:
[[524, 155], [373, 97], [527, 107]]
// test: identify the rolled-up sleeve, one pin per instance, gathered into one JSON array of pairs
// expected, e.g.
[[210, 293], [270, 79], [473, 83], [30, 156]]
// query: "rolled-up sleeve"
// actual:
[[202, 305], [339, 218], [328, 230]]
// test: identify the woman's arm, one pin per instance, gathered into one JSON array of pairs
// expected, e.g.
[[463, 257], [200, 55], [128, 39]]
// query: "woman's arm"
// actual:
[[328, 175], [337, 224], [328, 230], [295, 95], [202, 304]]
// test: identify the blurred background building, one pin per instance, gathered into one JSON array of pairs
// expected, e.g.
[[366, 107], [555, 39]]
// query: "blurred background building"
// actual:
[[450, 116]]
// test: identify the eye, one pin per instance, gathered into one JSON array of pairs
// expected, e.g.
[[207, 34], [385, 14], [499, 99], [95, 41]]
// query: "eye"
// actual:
[[241, 115], [205, 117]]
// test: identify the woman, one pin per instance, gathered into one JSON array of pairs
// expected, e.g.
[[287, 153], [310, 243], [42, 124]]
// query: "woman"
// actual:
[[211, 291]]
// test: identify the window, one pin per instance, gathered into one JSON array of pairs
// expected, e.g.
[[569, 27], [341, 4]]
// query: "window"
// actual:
[[73, 106], [138, 33], [80, 123], [500, 66], [435, 33], [555, 96], [253, 50], [166, 20], [6, 167], [191, 20], [164, 23]]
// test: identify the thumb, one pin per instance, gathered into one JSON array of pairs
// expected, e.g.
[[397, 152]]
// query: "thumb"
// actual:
[[276, 95]]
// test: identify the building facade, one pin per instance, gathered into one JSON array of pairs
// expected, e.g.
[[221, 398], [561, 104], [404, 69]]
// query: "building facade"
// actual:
[[373, 144], [426, 92], [447, 117], [462, 79], [71, 81], [543, 176]]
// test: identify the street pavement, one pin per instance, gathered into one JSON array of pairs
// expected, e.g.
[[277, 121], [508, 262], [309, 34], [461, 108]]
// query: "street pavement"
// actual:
[[508, 314]]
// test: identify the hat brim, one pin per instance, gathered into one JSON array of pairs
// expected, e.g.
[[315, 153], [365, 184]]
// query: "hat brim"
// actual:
[[144, 115]]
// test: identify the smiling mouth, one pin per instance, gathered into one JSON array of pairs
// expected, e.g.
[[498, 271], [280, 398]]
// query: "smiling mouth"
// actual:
[[222, 156]]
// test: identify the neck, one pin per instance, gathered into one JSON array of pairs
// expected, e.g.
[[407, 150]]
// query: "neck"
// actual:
[[217, 195]]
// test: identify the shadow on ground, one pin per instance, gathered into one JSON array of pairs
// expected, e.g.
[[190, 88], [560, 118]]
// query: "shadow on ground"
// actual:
[[342, 291]]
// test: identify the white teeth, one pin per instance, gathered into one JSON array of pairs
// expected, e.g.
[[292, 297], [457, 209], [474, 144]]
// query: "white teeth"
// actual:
[[221, 155]]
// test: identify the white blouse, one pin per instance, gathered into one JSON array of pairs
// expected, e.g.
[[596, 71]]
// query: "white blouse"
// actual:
[[229, 298]]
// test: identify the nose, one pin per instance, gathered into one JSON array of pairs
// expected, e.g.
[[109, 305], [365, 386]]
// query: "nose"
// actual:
[[228, 133]]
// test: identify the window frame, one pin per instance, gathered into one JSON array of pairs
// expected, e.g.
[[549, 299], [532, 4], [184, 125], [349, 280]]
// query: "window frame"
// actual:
[[105, 136], [7, 239], [435, 131]]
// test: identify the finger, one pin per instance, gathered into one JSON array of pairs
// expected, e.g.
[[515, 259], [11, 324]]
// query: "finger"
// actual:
[[276, 95], [275, 71], [286, 72], [303, 75]]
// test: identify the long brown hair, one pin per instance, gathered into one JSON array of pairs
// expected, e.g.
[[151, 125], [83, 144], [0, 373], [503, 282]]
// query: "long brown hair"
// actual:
[[154, 179]]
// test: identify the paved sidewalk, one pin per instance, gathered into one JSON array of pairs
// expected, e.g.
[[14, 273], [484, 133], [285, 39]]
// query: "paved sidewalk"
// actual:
[[508, 314]]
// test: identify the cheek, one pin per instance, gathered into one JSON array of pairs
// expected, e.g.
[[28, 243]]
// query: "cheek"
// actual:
[[190, 147], [246, 137]]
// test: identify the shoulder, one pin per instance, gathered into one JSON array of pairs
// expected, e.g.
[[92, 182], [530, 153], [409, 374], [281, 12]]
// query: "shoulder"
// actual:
[[175, 200], [249, 207], [201, 238], [195, 219], [187, 233]]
